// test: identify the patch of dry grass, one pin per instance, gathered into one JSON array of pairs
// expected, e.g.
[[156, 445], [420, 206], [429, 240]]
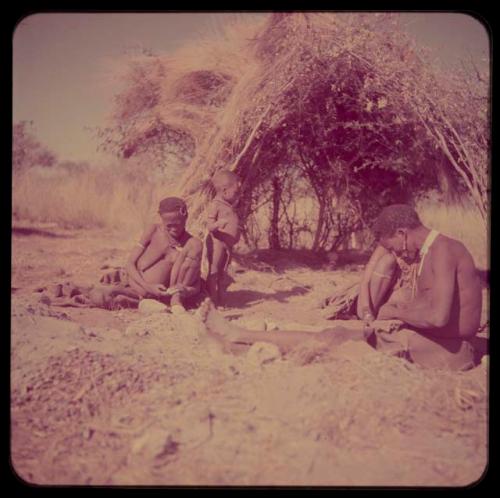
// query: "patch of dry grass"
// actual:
[[123, 198], [105, 197], [461, 222]]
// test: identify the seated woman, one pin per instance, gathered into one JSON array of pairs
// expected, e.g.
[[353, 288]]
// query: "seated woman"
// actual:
[[437, 298], [163, 265], [387, 279]]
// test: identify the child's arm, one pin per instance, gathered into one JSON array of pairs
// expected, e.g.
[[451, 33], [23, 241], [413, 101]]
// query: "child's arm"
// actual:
[[136, 253], [213, 221]]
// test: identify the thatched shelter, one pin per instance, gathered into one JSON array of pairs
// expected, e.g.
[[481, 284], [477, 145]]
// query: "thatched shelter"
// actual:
[[343, 105]]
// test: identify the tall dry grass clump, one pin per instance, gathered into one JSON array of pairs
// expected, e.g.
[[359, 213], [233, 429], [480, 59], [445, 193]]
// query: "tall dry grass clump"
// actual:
[[108, 197]]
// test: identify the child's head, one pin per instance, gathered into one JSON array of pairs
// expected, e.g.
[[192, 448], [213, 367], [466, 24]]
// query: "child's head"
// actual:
[[173, 213], [227, 185]]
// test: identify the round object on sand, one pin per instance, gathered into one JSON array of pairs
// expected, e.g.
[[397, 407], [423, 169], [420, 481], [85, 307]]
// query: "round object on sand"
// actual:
[[271, 325], [98, 297], [55, 290], [177, 309], [44, 299], [147, 306], [254, 324], [354, 349], [261, 353]]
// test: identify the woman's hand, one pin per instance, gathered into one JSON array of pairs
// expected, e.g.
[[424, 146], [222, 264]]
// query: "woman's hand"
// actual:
[[157, 290], [175, 289], [368, 317]]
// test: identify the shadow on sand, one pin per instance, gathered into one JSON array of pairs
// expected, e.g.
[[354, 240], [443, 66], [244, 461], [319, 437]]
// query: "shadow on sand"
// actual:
[[244, 298], [26, 232], [279, 261]]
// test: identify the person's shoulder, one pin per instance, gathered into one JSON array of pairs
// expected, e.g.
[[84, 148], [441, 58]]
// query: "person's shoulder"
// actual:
[[194, 243], [448, 243], [449, 248], [150, 229]]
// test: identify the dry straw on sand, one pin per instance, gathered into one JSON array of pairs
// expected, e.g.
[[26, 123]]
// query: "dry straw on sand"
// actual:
[[166, 408]]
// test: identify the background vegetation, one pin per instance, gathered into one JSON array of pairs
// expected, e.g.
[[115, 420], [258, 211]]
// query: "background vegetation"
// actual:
[[326, 118]]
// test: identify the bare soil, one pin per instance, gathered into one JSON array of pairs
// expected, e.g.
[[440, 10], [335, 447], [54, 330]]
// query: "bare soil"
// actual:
[[122, 398]]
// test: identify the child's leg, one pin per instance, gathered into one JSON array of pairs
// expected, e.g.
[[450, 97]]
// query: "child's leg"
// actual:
[[221, 278], [216, 255]]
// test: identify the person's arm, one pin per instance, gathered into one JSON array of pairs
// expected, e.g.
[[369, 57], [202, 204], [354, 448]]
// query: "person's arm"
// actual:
[[179, 261], [213, 221], [136, 253], [186, 270], [432, 312], [364, 307]]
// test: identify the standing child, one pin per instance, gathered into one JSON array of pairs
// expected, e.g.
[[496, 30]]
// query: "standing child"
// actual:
[[223, 232]]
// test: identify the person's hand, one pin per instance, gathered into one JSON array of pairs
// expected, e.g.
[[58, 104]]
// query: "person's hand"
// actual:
[[388, 312], [217, 225], [220, 224], [157, 290], [365, 314], [174, 289], [367, 318]]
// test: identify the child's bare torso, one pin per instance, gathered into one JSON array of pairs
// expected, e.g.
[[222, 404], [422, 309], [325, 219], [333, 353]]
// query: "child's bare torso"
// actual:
[[229, 233]]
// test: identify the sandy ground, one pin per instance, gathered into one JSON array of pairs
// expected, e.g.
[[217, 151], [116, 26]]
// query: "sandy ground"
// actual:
[[121, 398]]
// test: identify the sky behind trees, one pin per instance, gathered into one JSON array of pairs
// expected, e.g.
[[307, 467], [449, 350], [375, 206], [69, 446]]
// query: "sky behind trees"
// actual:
[[61, 63]]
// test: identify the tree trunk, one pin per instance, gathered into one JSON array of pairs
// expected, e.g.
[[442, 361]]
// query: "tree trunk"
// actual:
[[274, 239], [321, 221]]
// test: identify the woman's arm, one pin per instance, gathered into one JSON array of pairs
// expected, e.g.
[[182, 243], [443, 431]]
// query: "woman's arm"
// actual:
[[364, 301], [179, 261], [187, 267]]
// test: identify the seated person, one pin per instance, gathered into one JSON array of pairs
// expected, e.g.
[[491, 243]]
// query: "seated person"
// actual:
[[444, 313], [386, 276], [441, 319], [167, 259], [164, 265]]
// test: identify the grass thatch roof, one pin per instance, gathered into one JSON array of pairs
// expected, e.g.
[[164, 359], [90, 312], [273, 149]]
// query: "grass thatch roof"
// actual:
[[347, 96]]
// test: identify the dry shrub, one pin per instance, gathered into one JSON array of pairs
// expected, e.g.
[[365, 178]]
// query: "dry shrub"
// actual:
[[109, 197]]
